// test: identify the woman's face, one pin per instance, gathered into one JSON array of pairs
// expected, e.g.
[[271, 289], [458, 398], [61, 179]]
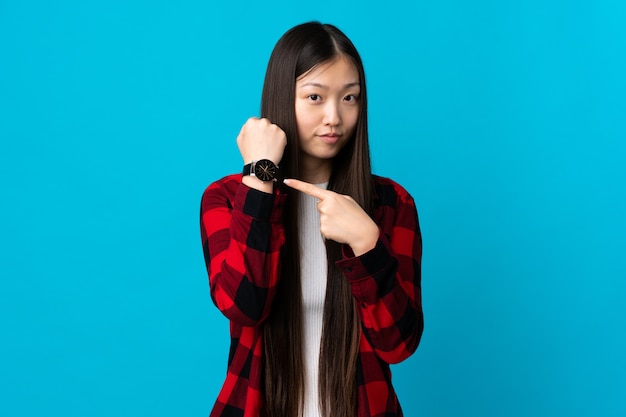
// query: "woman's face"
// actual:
[[327, 108]]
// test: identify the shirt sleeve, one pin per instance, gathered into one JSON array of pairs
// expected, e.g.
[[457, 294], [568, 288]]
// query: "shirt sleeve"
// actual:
[[242, 235], [386, 285]]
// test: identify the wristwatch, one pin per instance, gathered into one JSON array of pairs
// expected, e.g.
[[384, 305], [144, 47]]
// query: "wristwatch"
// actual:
[[263, 169]]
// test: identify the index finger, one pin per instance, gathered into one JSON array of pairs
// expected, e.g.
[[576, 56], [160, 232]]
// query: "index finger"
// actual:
[[306, 188]]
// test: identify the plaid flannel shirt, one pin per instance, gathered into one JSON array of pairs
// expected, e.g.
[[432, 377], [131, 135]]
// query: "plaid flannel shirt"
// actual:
[[242, 235]]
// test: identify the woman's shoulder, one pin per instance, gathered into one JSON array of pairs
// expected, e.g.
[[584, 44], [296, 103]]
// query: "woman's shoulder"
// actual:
[[388, 191], [229, 181], [226, 186]]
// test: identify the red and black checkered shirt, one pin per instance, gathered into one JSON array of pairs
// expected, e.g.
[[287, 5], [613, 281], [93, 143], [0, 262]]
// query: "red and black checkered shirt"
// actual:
[[242, 235]]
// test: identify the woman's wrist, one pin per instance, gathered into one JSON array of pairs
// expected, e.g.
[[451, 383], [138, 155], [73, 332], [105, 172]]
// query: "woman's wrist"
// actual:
[[366, 242]]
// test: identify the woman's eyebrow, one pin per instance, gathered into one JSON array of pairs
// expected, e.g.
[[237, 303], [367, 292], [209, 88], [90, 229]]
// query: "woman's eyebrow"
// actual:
[[325, 87]]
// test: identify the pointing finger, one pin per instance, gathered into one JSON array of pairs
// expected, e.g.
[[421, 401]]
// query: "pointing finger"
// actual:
[[307, 188]]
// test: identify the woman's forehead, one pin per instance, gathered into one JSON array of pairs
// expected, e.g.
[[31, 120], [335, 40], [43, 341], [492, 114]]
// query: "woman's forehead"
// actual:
[[339, 71]]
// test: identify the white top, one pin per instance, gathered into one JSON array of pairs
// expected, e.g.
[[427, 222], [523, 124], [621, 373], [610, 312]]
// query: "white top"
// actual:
[[313, 276]]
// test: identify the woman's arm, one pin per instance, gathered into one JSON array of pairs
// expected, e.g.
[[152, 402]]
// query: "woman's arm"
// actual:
[[385, 275], [386, 281], [242, 235]]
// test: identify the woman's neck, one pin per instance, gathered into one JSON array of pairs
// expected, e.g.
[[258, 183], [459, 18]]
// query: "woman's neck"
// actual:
[[315, 171]]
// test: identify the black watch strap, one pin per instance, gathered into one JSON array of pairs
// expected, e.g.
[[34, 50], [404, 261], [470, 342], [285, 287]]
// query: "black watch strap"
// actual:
[[246, 169]]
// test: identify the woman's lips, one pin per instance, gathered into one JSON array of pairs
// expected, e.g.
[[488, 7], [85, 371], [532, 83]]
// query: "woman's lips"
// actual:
[[330, 138]]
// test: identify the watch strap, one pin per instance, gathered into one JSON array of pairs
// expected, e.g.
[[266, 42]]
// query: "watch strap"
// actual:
[[246, 169]]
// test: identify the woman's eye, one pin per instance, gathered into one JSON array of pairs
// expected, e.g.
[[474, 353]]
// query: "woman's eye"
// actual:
[[314, 97], [350, 97]]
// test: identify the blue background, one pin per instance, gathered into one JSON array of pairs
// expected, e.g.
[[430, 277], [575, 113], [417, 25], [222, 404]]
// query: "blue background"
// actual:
[[505, 120]]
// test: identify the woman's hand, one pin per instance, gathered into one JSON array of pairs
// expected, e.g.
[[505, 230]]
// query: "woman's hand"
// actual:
[[260, 139], [341, 218]]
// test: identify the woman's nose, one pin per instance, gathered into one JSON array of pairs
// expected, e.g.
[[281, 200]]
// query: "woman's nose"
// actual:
[[331, 114]]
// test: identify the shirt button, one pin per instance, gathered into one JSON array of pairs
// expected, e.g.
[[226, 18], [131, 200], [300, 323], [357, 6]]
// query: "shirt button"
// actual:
[[348, 269]]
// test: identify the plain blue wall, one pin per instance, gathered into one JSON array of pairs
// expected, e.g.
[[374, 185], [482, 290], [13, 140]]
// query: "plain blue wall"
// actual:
[[505, 120]]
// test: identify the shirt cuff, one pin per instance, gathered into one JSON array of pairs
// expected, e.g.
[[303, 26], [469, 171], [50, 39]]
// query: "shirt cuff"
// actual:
[[356, 268], [259, 205]]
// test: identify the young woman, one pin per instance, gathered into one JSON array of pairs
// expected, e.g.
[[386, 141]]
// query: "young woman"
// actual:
[[319, 275]]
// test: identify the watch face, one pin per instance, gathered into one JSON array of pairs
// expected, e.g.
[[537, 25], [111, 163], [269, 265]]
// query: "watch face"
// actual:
[[265, 170]]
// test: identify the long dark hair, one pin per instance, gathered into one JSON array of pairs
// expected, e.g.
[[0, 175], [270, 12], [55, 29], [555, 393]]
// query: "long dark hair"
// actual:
[[298, 51]]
